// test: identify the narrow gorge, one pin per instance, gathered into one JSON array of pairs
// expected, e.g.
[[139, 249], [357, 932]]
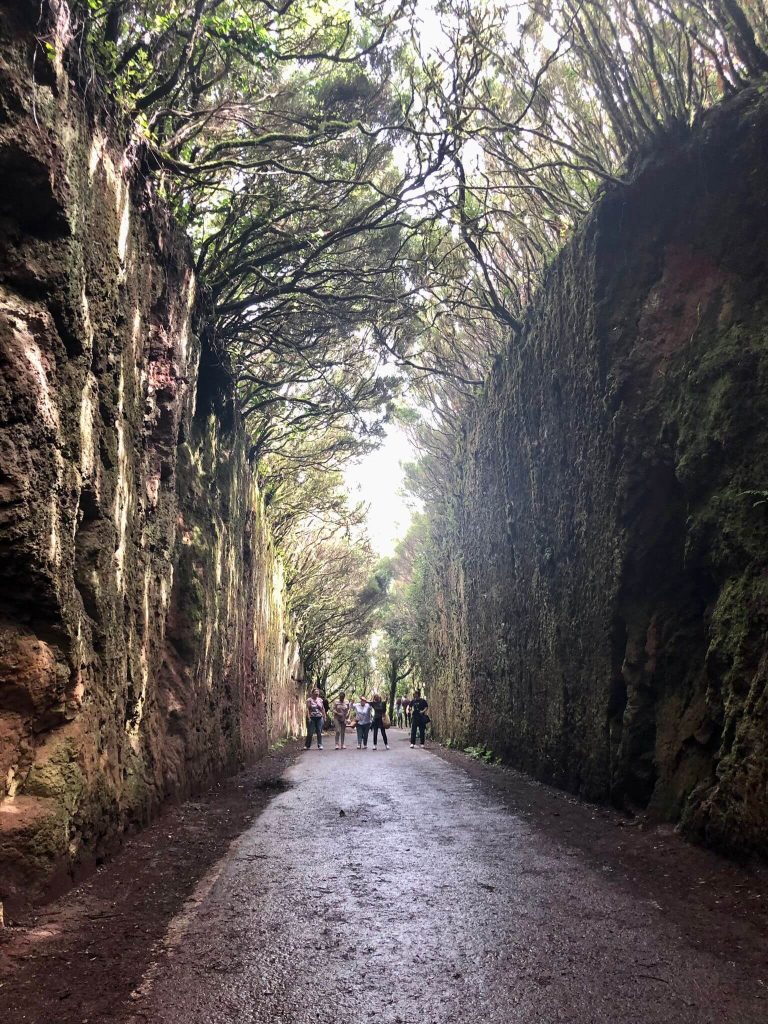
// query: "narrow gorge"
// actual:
[[384, 511]]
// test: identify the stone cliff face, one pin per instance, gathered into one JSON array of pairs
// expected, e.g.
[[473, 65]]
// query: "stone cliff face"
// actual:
[[599, 595], [144, 640]]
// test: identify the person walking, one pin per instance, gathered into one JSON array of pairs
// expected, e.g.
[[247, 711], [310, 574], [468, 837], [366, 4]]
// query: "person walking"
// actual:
[[340, 715], [407, 712], [315, 719], [399, 713], [379, 720], [419, 718], [363, 713]]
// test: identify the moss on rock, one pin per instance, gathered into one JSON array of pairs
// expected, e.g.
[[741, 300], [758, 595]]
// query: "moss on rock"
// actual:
[[594, 599]]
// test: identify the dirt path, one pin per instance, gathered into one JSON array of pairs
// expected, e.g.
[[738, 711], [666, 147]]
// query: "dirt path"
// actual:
[[444, 892], [78, 960]]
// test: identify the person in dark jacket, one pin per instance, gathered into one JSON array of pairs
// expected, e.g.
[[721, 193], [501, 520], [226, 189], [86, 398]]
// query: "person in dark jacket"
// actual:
[[379, 711], [419, 718]]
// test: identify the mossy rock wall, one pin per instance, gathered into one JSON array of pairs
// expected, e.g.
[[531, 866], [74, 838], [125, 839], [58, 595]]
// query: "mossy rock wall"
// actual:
[[145, 645], [598, 599]]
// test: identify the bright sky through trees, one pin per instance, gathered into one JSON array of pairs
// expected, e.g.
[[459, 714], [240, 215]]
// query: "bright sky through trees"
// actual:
[[378, 481]]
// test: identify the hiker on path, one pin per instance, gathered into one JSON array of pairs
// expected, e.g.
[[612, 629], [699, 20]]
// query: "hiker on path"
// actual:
[[407, 712], [363, 713], [399, 713], [380, 720], [340, 715], [419, 718], [315, 718]]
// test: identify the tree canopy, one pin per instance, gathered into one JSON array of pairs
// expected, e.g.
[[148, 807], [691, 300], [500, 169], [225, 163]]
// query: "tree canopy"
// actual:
[[373, 189]]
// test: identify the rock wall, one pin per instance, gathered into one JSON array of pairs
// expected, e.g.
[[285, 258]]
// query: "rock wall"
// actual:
[[144, 641], [598, 598]]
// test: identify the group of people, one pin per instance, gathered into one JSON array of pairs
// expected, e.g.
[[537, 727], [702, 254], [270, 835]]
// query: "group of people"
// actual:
[[404, 711], [364, 714]]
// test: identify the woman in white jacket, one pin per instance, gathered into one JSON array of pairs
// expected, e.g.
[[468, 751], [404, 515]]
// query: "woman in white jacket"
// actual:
[[363, 713]]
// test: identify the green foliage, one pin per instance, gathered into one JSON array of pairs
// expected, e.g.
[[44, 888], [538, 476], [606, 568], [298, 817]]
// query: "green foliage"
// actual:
[[266, 131], [481, 753], [336, 588], [371, 203], [536, 107]]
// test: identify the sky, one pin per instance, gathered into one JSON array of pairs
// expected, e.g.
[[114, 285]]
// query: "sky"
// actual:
[[377, 480]]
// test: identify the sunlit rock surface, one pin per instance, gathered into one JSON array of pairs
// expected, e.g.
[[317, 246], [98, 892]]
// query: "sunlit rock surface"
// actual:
[[598, 603], [144, 641]]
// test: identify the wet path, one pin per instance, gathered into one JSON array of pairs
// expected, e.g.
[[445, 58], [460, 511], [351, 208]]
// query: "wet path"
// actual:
[[426, 901]]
